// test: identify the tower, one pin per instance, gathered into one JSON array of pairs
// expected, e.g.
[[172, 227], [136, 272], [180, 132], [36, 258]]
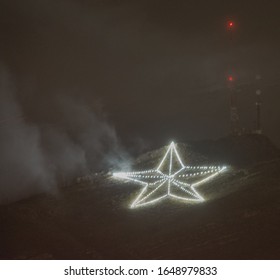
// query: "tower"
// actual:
[[234, 116], [258, 129]]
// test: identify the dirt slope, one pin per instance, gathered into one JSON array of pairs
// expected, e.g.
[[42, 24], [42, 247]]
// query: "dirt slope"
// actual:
[[92, 220]]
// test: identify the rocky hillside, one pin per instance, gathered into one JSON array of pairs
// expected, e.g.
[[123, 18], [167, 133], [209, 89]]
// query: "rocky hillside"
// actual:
[[91, 219]]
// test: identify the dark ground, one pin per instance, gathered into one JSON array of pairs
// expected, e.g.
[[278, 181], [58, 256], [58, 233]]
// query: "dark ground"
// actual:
[[92, 220]]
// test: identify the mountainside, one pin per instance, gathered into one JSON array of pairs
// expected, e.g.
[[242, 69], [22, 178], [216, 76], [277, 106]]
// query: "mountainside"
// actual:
[[239, 218]]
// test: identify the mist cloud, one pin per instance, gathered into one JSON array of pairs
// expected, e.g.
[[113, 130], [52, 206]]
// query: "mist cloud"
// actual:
[[38, 157]]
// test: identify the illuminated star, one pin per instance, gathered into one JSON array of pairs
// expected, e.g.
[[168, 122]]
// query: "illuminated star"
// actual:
[[171, 179]]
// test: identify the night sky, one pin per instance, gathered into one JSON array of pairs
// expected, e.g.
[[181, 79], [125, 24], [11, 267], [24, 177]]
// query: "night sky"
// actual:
[[156, 70]]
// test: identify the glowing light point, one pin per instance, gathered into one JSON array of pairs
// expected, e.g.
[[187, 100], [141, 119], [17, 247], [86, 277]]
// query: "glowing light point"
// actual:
[[230, 25], [164, 182]]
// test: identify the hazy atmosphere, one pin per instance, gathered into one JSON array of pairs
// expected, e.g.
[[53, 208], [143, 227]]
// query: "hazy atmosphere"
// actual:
[[85, 85], [144, 129]]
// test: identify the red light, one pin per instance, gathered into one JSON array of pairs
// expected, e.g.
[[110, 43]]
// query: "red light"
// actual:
[[230, 78], [230, 25]]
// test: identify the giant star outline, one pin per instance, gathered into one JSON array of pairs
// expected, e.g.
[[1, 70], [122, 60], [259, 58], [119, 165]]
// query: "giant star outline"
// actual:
[[171, 179]]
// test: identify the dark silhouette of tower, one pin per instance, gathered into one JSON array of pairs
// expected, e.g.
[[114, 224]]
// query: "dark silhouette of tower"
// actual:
[[234, 116], [258, 128]]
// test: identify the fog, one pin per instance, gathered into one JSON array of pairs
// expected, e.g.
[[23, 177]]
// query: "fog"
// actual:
[[84, 79], [40, 157]]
